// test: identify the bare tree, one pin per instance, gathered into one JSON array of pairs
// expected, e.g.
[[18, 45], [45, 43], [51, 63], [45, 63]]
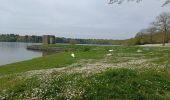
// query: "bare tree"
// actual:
[[151, 30], [121, 1], [166, 2], [163, 24], [141, 33]]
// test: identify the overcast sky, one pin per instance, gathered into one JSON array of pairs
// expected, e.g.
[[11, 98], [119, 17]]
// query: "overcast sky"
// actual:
[[78, 18]]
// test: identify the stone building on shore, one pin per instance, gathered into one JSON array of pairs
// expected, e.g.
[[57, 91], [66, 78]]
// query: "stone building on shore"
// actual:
[[48, 39]]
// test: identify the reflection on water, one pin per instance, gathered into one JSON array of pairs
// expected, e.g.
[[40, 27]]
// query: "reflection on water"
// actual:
[[11, 52]]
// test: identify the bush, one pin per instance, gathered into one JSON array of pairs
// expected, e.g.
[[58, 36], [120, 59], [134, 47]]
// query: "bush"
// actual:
[[135, 41]]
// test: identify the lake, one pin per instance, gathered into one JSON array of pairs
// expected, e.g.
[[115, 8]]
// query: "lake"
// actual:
[[11, 52]]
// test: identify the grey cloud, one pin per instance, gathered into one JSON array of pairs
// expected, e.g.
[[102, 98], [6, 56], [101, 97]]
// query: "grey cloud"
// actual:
[[77, 18]]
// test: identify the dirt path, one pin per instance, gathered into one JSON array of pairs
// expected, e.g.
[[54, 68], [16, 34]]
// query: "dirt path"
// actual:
[[156, 45]]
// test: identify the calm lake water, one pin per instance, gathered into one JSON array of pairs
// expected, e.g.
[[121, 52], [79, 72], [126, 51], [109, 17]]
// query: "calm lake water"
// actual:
[[11, 52]]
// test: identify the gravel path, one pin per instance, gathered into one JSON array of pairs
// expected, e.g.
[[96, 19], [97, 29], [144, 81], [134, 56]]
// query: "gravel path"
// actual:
[[156, 45]]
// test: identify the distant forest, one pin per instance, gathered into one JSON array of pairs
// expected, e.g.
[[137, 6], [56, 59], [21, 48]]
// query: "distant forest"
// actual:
[[18, 38], [38, 39], [142, 38]]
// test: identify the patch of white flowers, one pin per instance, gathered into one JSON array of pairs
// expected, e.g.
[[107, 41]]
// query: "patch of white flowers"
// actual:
[[69, 90]]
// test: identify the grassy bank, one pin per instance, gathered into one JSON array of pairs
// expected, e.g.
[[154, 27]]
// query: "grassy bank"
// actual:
[[52, 61], [133, 73]]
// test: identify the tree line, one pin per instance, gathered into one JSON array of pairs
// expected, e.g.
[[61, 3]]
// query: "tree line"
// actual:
[[38, 39], [18, 38], [157, 32], [89, 41]]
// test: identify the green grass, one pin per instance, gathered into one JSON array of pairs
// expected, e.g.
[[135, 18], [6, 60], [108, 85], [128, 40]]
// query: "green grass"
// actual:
[[128, 84], [55, 60], [152, 83], [52, 61], [112, 84]]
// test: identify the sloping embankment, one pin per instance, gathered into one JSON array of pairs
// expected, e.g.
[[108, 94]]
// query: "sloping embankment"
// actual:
[[44, 48]]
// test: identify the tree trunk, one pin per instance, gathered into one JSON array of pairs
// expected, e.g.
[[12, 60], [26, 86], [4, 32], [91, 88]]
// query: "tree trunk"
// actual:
[[163, 40], [151, 36]]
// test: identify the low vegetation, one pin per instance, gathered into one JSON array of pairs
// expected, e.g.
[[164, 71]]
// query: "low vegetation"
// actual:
[[97, 73], [145, 38]]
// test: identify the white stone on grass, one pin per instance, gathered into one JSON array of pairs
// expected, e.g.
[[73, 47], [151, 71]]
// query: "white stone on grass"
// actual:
[[109, 54], [73, 55], [111, 50], [139, 51]]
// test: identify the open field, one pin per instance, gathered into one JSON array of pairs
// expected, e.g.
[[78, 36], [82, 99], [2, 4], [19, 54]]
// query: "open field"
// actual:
[[130, 73]]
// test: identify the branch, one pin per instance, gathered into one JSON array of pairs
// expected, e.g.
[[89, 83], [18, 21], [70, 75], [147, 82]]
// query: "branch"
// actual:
[[166, 2], [137, 1], [121, 1]]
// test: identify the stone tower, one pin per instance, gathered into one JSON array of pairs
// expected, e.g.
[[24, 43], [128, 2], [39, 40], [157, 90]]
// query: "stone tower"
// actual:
[[48, 39]]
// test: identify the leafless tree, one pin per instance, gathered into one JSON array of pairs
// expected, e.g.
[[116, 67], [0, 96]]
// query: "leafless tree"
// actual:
[[141, 33], [121, 1], [163, 24]]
